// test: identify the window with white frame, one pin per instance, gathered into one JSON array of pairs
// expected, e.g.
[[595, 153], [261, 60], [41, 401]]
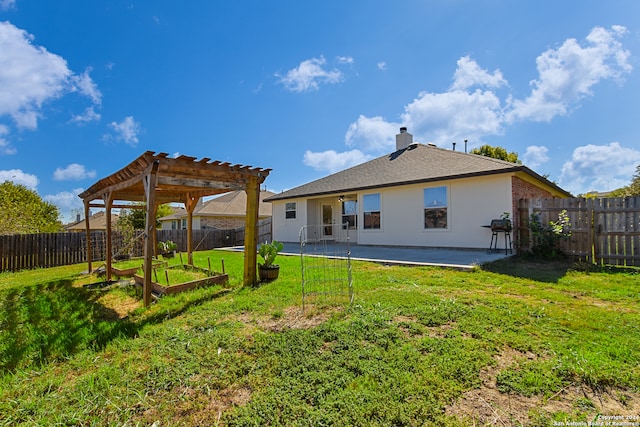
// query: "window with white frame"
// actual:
[[371, 211], [436, 208], [290, 210]]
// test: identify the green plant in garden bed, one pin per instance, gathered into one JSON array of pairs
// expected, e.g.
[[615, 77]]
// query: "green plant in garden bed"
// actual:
[[180, 274], [130, 263], [414, 341]]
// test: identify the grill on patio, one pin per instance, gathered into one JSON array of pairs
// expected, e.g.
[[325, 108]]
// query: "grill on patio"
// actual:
[[500, 226]]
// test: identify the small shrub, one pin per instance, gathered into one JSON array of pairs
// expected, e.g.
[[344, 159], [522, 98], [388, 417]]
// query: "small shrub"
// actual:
[[546, 239]]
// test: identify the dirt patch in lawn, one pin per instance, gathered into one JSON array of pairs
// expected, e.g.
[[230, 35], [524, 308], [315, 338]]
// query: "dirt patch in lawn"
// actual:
[[287, 318], [116, 307], [228, 398], [488, 406]]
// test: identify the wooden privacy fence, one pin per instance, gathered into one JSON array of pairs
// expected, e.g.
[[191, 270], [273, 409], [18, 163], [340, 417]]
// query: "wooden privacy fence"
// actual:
[[24, 251], [604, 231]]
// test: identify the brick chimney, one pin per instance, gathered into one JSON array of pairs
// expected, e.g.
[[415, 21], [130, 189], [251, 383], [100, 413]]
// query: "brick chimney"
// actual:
[[403, 139]]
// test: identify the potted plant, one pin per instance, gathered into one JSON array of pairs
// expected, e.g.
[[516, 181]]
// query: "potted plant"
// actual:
[[167, 249], [269, 251]]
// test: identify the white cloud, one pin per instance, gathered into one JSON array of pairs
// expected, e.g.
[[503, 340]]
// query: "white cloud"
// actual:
[[86, 86], [332, 161], [470, 74], [5, 145], [372, 134], [308, 76], [68, 202], [535, 156], [127, 130], [472, 110], [7, 4], [599, 168], [382, 65], [30, 76], [443, 118], [73, 172], [18, 177], [568, 73], [345, 60], [88, 115]]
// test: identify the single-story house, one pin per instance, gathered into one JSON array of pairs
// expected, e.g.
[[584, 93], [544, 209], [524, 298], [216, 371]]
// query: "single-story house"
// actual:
[[419, 195], [224, 212], [97, 221]]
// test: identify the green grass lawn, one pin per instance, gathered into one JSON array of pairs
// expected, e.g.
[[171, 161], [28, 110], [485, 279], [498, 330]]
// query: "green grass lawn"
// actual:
[[510, 343]]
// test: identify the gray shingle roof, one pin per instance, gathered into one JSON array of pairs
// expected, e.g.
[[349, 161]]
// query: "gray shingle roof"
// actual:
[[414, 164], [233, 203]]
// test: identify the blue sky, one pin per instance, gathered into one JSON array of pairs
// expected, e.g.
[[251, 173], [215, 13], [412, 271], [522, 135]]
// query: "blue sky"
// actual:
[[308, 88]]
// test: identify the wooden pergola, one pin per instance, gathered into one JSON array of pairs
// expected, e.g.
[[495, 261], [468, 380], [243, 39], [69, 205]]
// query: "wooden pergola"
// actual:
[[157, 179]]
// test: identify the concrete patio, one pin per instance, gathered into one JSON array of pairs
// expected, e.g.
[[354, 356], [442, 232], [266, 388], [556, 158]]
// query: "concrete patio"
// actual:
[[401, 255]]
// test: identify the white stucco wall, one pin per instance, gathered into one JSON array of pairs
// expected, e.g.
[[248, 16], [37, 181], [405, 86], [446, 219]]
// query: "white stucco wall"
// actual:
[[166, 225], [472, 203], [288, 229]]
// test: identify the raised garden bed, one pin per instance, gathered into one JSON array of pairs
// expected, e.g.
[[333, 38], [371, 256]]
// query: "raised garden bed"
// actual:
[[175, 279], [130, 266]]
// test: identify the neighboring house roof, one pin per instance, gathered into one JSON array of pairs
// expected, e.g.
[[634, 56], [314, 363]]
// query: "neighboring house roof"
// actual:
[[178, 212], [97, 221], [233, 204], [417, 163]]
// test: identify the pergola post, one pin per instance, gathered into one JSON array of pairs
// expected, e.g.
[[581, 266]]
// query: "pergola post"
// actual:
[[251, 231], [88, 230], [149, 181], [108, 201], [190, 204]]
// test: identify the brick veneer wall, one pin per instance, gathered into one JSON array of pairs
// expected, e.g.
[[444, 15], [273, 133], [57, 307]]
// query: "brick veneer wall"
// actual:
[[521, 189], [221, 222]]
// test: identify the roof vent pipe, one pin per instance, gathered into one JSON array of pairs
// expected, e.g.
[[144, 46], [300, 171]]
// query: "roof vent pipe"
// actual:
[[403, 139]]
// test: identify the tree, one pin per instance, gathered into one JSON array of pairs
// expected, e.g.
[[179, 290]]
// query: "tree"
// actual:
[[22, 211], [136, 218], [632, 189], [497, 153]]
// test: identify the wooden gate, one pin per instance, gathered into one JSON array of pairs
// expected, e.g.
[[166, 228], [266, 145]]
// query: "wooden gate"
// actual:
[[603, 230]]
